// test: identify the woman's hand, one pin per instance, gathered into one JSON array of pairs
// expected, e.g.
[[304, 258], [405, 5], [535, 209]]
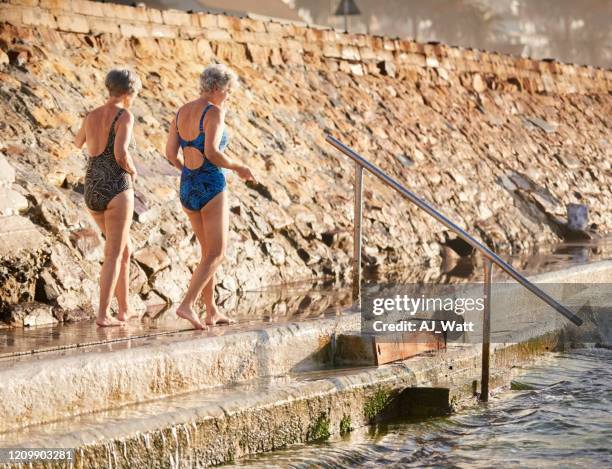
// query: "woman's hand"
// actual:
[[245, 173]]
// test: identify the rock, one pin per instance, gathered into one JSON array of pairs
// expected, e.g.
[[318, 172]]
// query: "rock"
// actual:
[[229, 283], [11, 202], [542, 124], [4, 58], [46, 287], [89, 244], [139, 283], [152, 258], [172, 282], [387, 67], [142, 212], [577, 217], [18, 234], [478, 84], [276, 253], [7, 172], [32, 314], [154, 303]]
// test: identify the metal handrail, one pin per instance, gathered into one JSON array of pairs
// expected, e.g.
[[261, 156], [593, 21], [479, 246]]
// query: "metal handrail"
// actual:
[[488, 253], [490, 257]]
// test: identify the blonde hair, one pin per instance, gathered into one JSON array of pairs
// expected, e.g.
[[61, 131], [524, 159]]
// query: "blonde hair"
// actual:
[[122, 81], [217, 77]]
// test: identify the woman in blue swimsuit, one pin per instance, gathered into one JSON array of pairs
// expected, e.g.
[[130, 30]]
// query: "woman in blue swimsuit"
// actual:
[[199, 130]]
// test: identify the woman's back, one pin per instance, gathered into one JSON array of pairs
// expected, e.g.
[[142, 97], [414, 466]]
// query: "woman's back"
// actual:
[[191, 121], [98, 128]]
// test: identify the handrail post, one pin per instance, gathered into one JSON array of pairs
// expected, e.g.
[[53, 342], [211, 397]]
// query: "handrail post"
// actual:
[[486, 331], [357, 211], [464, 235]]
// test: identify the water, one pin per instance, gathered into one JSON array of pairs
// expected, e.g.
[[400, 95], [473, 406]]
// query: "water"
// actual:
[[564, 421]]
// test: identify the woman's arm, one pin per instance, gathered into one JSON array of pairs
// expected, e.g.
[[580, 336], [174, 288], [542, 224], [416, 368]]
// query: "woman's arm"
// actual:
[[122, 141], [172, 146], [79, 139], [211, 146]]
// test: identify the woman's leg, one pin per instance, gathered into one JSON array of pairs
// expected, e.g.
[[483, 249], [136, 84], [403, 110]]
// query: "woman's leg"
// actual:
[[213, 316], [214, 232], [196, 223], [117, 221], [122, 288]]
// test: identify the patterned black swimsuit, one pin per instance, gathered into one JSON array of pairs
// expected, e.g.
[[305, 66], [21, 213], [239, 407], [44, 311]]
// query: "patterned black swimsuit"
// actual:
[[104, 178]]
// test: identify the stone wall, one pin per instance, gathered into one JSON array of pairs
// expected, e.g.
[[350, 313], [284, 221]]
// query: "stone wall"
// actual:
[[270, 42], [500, 143]]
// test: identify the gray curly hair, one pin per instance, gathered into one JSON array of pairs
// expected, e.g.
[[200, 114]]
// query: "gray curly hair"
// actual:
[[122, 81], [217, 77]]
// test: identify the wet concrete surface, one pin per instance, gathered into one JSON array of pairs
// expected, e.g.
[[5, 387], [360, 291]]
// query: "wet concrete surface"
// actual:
[[275, 305]]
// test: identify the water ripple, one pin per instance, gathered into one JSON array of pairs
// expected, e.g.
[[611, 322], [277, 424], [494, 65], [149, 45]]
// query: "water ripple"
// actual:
[[564, 420]]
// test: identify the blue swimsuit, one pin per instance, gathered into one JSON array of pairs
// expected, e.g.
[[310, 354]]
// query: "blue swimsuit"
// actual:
[[200, 185]]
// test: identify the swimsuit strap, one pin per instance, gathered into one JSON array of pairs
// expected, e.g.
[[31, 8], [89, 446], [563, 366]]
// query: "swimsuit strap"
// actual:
[[111, 132], [202, 118]]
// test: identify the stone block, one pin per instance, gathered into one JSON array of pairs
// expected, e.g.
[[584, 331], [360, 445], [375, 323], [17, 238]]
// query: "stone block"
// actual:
[[207, 21], [261, 39], [125, 12], [231, 52], [162, 30], [73, 23], [432, 61], [134, 30], [11, 14], [231, 23], [332, 51], [249, 24], [292, 56], [98, 25], [203, 49], [350, 53], [274, 27], [155, 15], [275, 57], [258, 54], [38, 17], [189, 31], [146, 46], [27, 3], [217, 35], [176, 18], [83, 7], [55, 5], [390, 44]]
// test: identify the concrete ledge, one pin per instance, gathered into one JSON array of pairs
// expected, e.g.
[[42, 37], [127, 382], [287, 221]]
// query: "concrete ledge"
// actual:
[[219, 426], [97, 381]]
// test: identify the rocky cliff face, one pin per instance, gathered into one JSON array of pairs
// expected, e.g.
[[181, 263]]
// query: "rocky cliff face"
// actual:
[[500, 144]]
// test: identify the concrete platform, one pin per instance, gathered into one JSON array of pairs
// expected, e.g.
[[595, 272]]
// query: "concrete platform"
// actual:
[[154, 396], [219, 425]]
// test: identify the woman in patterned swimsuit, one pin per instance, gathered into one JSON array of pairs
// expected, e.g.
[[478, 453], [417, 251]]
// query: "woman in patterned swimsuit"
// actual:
[[109, 183], [202, 191]]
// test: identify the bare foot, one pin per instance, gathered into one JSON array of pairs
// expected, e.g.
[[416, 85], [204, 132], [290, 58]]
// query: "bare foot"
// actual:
[[192, 318], [126, 315], [107, 321], [217, 318]]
